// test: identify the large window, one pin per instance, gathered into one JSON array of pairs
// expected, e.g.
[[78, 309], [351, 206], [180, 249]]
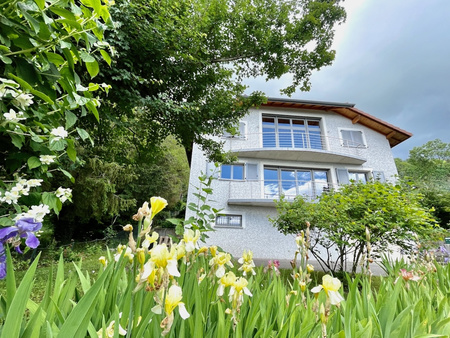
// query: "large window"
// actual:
[[234, 221], [286, 132], [232, 171], [352, 138], [291, 182]]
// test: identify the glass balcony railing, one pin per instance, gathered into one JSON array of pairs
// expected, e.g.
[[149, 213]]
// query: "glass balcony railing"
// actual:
[[271, 190], [295, 141]]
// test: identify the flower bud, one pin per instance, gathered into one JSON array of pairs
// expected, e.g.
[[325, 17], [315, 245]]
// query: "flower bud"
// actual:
[[128, 227], [140, 256], [147, 222], [103, 261], [302, 286]]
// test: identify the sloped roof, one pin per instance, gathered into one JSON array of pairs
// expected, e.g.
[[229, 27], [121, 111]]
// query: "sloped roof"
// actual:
[[394, 134]]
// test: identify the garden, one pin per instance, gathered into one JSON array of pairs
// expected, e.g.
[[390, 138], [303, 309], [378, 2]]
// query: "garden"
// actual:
[[145, 289]]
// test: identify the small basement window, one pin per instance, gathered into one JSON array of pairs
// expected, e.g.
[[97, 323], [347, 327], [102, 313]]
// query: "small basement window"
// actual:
[[232, 221]]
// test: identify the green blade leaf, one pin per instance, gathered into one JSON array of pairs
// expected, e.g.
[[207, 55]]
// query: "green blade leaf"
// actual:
[[77, 323], [13, 321]]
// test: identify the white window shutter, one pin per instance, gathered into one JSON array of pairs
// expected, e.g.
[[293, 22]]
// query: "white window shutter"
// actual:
[[251, 171], [379, 176], [242, 129], [342, 175]]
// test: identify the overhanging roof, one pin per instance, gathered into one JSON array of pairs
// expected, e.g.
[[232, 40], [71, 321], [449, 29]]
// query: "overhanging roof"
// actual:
[[394, 134]]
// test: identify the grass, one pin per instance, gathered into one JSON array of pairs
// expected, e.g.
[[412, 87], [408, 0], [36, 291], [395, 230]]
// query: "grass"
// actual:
[[87, 255]]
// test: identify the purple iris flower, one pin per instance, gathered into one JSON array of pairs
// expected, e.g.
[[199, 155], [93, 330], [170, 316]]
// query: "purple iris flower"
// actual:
[[2, 262], [24, 228]]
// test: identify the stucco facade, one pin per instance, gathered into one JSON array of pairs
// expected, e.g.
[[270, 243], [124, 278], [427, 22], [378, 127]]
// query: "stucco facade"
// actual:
[[290, 148]]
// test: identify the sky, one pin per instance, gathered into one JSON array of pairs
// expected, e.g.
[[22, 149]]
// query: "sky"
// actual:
[[393, 62]]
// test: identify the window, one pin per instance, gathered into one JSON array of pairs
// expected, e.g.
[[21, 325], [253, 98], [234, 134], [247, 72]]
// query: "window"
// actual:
[[239, 131], [357, 176], [286, 132], [378, 176], [234, 221], [346, 176], [232, 172], [352, 138], [292, 182]]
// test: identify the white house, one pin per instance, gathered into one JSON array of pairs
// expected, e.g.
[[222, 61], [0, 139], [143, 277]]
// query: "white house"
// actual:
[[290, 147]]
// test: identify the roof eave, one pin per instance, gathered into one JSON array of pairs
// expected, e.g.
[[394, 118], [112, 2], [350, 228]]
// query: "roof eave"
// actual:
[[392, 133]]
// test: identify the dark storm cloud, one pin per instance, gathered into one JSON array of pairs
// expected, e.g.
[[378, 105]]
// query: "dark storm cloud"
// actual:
[[393, 61]]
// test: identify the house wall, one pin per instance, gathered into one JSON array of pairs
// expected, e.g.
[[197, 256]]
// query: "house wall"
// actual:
[[257, 233]]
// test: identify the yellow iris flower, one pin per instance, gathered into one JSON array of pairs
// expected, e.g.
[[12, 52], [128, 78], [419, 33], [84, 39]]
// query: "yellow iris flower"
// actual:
[[157, 204], [173, 300], [218, 262], [190, 239], [227, 280], [247, 263], [331, 286], [103, 260], [109, 332], [150, 239], [163, 258]]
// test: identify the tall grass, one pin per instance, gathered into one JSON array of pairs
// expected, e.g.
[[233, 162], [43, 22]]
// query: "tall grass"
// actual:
[[112, 302]]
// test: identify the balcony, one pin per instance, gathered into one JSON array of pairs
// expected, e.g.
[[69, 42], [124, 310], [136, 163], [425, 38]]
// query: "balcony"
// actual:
[[263, 193], [301, 147]]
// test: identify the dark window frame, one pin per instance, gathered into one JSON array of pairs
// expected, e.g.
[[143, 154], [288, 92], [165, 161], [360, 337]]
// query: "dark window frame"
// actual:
[[227, 221]]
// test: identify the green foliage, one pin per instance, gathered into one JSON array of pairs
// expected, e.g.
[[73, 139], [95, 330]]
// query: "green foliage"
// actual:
[[180, 65], [106, 192], [42, 49], [339, 219], [205, 215], [428, 169]]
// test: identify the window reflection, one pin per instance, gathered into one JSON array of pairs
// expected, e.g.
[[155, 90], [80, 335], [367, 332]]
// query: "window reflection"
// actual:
[[292, 182]]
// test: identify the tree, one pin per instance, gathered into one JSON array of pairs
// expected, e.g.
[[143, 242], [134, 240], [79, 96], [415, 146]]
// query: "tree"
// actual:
[[392, 216], [428, 165], [106, 193], [179, 65], [42, 97], [428, 169], [42, 44]]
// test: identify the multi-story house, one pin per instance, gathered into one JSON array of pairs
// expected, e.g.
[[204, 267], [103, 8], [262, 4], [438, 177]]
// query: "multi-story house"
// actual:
[[290, 147]]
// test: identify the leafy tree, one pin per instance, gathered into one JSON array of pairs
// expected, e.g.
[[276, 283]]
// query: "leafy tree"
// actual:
[[42, 44], [428, 165], [428, 169], [106, 193], [179, 65], [176, 71], [393, 217]]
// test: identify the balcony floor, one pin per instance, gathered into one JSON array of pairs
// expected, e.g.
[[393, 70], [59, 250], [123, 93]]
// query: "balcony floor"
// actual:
[[300, 155], [254, 202]]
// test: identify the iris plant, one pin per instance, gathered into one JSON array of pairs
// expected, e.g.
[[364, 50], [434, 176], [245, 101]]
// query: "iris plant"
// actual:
[[24, 228]]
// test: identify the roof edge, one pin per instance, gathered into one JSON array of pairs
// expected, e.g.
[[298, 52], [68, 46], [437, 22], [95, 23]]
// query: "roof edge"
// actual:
[[312, 102]]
